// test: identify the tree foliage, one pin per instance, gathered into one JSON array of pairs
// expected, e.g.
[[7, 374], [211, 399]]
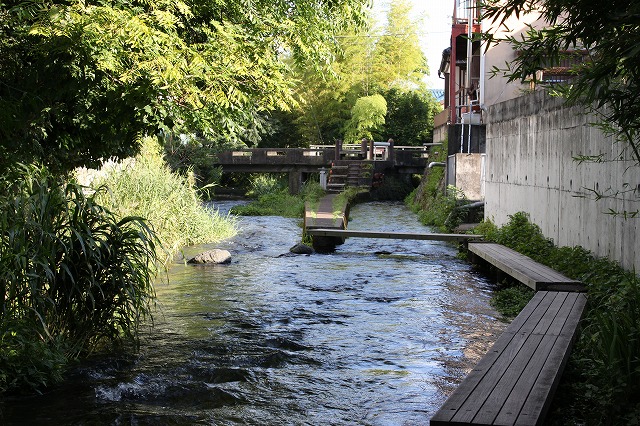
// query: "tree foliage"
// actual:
[[367, 118], [81, 81], [608, 82], [369, 61], [327, 96], [409, 119], [398, 60]]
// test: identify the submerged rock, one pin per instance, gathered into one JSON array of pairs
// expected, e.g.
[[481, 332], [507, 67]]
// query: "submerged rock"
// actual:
[[301, 249], [215, 256]]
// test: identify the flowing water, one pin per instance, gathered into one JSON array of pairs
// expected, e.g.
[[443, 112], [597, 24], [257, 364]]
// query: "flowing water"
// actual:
[[378, 333]]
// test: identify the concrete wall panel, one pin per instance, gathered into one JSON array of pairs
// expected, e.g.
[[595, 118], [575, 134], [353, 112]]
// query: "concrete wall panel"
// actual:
[[531, 145]]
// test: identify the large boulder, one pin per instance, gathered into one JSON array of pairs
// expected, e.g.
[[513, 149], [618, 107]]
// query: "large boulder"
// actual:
[[215, 256], [301, 249]]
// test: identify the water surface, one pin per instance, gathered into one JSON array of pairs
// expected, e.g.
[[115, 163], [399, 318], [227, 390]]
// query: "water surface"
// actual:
[[378, 333]]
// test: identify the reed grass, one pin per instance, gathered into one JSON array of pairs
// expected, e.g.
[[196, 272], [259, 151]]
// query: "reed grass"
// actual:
[[274, 200], [73, 276], [169, 201]]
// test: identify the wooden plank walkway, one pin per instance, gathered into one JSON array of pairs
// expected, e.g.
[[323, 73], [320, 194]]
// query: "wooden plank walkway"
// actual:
[[325, 216], [514, 383], [524, 269], [391, 235]]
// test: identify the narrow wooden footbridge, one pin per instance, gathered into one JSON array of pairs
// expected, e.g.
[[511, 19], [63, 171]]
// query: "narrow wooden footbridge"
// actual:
[[515, 381], [327, 224]]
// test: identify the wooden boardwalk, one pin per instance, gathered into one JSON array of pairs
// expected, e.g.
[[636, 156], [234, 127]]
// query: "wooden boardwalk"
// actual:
[[326, 216], [524, 269], [513, 384]]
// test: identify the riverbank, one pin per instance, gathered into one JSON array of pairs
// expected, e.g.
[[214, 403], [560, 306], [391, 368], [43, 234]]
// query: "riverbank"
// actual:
[[78, 264], [601, 384]]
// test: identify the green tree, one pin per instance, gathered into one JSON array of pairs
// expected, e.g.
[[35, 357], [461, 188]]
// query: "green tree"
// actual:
[[609, 34], [398, 60], [327, 95], [367, 119], [409, 119], [81, 81], [368, 61]]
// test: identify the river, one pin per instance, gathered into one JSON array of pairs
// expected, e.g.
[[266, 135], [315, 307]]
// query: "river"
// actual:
[[377, 333]]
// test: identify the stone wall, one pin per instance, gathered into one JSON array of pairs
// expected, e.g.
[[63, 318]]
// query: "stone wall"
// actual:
[[532, 142]]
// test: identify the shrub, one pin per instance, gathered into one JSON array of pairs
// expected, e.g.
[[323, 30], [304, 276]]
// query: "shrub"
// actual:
[[263, 184], [520, 235], [438, 210], [72, 276], [279, 202]]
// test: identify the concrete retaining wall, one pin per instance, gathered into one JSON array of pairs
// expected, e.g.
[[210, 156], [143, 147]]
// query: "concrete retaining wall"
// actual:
[[530, 166]]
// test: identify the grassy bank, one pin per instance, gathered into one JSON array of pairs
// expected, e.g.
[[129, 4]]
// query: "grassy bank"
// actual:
[[601, 384], [77, 267], [74, 277], [271, 197], [433, 202], [146, 187]]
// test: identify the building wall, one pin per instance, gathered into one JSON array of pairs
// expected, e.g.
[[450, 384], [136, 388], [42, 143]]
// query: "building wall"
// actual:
[[496, 88], [531, 145]]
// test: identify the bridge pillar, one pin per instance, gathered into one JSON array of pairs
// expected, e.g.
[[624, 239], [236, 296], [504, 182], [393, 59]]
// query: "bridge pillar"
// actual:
[[295, 181]]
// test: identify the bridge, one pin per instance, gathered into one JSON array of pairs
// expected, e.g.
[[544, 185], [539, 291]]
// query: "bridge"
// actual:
[[298, 162]]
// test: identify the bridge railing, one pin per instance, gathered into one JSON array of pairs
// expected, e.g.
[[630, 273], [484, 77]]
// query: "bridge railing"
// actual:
[[291, 156], [324, 155]]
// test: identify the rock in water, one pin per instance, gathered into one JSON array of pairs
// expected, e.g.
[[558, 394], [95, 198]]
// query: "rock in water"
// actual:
[[215, 256], [301, 249]]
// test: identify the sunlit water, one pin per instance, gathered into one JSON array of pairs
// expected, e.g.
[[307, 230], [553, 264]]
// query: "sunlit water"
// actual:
[[377, 333]]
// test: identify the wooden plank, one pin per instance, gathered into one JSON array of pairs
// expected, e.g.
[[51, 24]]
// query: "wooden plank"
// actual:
[[528, 265], [543, 363], [547, 383], [504, 373], [524, 269], [489, 369], [512, 406], [515, 381], [324, 216], [521, 263], [552, 321], [528, 362], [391, 235]]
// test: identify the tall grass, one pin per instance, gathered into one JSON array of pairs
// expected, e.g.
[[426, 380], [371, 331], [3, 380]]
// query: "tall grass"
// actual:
[[73, 276], [264, 184], [172, 206]]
